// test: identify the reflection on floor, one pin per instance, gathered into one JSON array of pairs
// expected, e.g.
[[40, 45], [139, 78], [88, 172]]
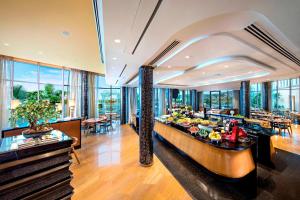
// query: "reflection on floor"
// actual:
[[279, 183], [287, 142], [109, 169]]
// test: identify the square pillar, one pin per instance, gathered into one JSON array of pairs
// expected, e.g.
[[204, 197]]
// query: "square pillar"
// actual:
[[146, 115]]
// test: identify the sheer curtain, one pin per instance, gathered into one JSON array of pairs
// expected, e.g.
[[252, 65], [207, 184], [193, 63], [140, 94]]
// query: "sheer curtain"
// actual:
[[162, 102], [75, 91], [5, 91], [132, 103], [91, 95]]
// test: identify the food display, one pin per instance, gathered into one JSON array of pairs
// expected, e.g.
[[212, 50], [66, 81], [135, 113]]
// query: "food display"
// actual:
[[194, 129], [214, 136], [203, 133]]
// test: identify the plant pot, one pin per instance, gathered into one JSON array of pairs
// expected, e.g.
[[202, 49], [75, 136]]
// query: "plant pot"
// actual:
[[29, 133]]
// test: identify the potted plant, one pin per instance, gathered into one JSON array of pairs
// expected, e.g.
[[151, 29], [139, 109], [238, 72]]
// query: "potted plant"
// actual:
[[37, 113]]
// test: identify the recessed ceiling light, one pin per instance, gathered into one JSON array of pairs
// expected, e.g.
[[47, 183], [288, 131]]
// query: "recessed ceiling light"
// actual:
[[40, 52], [187, 57], [203, 72], [6, 44], [117, 41], [66, 33], [169, 66], [226, 66], [114, 58]]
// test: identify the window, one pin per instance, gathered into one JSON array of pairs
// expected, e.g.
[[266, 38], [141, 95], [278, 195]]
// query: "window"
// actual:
[[34, 82], [179, 100], [255, 96], [215, 99], [285, 95], [295, 89], [206, 99], [108, 98], [218, 99], [226, 99], [187, 97]]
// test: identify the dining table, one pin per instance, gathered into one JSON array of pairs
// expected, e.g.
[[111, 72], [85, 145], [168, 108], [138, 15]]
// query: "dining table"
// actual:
[[92, 122]]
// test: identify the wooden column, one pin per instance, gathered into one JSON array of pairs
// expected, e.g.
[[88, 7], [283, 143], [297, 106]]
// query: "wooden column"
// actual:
[[124, 109], [245, 98], [146, 115]]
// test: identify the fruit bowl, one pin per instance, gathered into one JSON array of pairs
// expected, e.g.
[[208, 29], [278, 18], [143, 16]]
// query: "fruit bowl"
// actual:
[[215, 136]]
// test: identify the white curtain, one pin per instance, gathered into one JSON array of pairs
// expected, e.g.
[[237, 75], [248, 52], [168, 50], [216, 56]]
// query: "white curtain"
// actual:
[[132, 104], [75, 91], [5, 91], [162, 102]]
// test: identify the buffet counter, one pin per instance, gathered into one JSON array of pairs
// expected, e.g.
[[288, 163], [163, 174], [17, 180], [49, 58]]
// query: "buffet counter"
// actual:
[[231, 160], [36, 168], [71, 127]]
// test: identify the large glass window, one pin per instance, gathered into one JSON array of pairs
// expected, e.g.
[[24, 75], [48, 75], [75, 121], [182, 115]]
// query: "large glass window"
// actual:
[[206, 99], [187, 97], [226, 99], [295, 89], [215, 99], [218, 99], [108, 97], [255, 96], [33, 82], [285, 95]]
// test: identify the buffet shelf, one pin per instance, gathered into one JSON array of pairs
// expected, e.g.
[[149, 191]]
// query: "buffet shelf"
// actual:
[[227, 160]]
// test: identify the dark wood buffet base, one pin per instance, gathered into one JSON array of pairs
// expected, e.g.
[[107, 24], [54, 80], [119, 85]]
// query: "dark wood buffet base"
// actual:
[[71, 127], [38, 172]]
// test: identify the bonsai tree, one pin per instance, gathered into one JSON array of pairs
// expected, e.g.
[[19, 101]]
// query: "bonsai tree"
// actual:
[[37, 113]]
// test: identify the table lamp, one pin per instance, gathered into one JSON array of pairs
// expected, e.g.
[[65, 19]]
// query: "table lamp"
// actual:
[[71, 107], [14, 103]]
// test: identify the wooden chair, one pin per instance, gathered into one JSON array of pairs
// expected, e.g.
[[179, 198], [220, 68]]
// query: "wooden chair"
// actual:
[[75, 140]]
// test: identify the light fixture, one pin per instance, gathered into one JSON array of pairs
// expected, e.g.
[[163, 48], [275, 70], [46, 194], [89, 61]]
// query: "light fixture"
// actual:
[[66, 33], [40, 53], [6, 44], [114, 58], [117, 41], [203, 72], [14, 103], [169, 66], [187, 57], [250, 72], [226, 66]]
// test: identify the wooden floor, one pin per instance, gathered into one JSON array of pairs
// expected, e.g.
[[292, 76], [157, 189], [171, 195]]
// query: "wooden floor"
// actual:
[[287, 142], [110, 169]]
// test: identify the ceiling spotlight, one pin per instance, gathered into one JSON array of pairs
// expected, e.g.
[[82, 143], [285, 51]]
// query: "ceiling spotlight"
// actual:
[[169, 66], [114, 58], [6, 44], [66, 33], [187, 57], [226, 66], [203, 72], [40, 53], [250, 72], [117, 41]]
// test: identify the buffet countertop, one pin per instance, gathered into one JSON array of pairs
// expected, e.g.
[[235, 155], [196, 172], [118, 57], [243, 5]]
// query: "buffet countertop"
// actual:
[[223, 144]]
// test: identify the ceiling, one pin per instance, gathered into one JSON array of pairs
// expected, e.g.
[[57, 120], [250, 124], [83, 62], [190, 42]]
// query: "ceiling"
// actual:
[[215, 47], [60, 32]]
